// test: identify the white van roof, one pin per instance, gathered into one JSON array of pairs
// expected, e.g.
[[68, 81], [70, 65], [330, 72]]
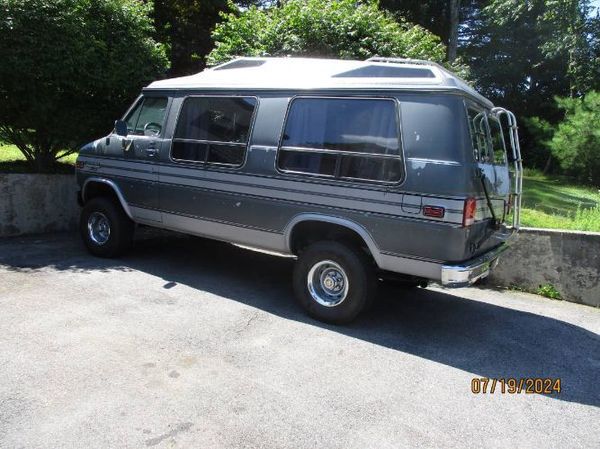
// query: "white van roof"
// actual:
[[311, 73]]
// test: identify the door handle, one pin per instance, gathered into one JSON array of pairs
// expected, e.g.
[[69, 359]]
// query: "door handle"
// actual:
[[151, 152], [126, 144]]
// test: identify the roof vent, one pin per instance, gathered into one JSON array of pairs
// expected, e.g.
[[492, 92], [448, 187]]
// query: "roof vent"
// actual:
[[380, 71], [240, 64]]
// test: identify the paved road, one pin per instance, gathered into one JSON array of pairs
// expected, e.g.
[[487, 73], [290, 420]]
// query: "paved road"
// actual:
[[187, 343]]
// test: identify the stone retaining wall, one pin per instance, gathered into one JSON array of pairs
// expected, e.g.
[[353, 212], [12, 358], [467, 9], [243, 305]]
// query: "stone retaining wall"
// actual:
[[35, 203], [568, 260]]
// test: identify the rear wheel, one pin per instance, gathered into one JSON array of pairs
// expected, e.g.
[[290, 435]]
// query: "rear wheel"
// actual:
[[105, 228], [334, 282]]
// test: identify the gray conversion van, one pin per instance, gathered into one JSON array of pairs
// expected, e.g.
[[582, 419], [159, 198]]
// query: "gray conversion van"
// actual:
[[362, 169]]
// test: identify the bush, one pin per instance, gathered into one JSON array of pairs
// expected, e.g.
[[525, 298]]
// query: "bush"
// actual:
[[346, 29], [576, 141], [68, 68]]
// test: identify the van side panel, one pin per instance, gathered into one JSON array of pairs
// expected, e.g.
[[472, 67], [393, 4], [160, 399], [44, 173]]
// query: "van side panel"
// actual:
[[254, 204]]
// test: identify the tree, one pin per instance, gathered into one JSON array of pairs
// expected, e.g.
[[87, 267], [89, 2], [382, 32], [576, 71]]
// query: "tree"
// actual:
[[186, 27], [521, 56], [567, 30], [576, 141], [433, 15], [68, 69], [335, 28], [453, 34], [442, 17]]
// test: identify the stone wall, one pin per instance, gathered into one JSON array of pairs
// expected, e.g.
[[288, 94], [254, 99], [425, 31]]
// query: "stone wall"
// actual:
[[568, 260], [35, 203]]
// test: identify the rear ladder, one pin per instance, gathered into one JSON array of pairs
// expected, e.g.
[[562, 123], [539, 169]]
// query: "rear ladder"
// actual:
[[517, 162]]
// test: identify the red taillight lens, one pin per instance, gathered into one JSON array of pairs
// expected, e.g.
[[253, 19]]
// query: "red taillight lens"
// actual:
[[469, 211], [434, 211]]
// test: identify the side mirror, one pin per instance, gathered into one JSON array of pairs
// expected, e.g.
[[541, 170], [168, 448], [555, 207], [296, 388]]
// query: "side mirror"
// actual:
[[120, 128]]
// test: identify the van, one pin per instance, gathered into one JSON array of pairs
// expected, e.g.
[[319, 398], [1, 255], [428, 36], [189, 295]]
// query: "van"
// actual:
[[363, 170]]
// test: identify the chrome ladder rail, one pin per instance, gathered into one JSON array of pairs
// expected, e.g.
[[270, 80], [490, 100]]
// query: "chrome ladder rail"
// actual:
[[517, 161]]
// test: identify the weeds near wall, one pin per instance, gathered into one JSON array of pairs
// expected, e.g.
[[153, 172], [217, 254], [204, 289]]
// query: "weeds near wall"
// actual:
[[548, 291]]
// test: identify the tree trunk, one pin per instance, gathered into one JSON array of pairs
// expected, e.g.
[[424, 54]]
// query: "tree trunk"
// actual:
[[453, 34], [546, 169], [44, 162]]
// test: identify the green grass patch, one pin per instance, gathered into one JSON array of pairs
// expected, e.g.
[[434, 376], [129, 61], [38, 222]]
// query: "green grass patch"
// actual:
[[13, 161], [558, 204]]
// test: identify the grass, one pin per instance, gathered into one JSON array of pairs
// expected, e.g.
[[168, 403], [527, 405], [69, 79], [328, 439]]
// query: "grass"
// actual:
[[13, 161], [558, 204]]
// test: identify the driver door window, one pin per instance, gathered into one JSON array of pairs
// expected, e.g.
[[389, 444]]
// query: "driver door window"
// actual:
[[147, 118]]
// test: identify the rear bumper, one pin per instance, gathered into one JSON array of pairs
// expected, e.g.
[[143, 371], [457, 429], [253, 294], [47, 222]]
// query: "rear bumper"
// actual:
[[470, 271]]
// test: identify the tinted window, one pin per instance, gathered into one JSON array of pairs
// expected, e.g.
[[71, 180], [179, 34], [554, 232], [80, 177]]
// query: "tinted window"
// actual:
[[342, 138], [218, 119], [498, 145], [365, 126], [149, 113], [430, 126], [213, 129], [478, 127], [487, 137]]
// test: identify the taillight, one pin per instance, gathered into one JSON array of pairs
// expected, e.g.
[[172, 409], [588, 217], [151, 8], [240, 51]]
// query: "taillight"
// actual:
[[469, 211]]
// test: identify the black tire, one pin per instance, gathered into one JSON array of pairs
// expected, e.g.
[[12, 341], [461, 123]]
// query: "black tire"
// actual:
[[358, 269], [120, 227]]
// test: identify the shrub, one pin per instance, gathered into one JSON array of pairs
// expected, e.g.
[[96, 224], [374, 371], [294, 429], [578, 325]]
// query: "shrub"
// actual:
[[576, 141], [68, 67], [346, 29]]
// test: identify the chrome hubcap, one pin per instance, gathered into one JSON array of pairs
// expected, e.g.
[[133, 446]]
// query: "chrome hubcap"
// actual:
[[328, 283], [98, 228]]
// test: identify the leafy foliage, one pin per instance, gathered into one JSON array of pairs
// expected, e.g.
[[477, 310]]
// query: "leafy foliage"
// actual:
[[576, 142], [185, 27], [334, 28], [549, 291], [567, 30], [524, 53], [539, 132], [68, 69]]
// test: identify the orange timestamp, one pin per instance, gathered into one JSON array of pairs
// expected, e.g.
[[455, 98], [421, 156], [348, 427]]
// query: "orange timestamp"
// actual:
[[512, 385]]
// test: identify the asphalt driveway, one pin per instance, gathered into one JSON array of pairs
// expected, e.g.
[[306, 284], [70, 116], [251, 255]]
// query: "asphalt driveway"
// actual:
[[188, 343]]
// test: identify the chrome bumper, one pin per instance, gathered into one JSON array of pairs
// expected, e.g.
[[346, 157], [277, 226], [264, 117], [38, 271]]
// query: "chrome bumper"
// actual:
[[468, 272]]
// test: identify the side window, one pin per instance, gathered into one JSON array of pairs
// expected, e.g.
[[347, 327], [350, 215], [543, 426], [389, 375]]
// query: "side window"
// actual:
[[344, 138], [479, 134], [213, 130], [147, 117], [498, 144]]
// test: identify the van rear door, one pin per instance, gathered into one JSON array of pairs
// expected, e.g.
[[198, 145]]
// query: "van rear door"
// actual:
[[489, 151]]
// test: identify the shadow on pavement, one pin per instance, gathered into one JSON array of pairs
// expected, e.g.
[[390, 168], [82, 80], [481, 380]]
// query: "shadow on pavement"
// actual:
[[477, 337]]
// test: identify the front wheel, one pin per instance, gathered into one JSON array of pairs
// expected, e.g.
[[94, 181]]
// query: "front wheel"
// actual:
[[334, 282], [105, 228]]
